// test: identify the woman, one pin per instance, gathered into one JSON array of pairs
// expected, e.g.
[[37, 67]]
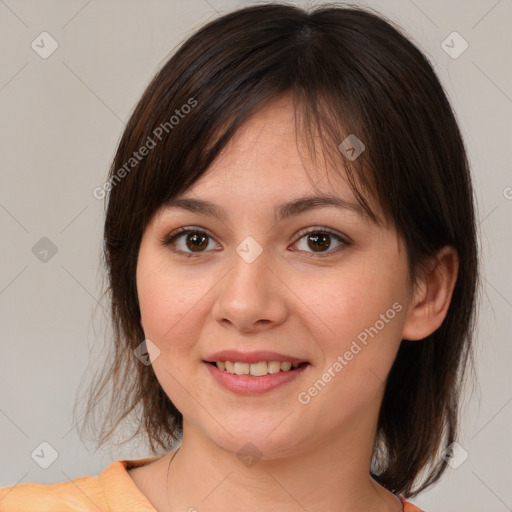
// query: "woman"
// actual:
[[291, 251]]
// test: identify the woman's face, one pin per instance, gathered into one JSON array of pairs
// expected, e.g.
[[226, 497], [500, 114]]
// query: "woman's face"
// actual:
[[254, 280]]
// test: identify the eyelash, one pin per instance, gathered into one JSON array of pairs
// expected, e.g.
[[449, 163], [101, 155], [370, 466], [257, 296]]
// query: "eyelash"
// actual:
[[169, 240]]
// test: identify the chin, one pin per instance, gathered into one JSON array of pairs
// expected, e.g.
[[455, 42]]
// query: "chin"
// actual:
[[258, 441]]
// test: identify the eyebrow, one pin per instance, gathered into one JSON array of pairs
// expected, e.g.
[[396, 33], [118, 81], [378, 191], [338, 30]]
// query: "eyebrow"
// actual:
[[281, 212]]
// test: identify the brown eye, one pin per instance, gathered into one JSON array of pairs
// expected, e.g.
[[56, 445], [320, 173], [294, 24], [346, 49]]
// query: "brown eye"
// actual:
[[188, 241], [321, 242], [196, 241]]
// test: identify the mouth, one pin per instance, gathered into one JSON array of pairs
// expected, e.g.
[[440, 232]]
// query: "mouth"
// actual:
[[259, 369], [255, 378]]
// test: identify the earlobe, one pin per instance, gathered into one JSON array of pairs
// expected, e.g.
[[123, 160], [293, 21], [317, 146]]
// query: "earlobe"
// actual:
[[432, 295]]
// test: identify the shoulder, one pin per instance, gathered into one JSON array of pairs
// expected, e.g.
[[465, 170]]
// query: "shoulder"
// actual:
[[113, 489], [409, 507], [76, 495]]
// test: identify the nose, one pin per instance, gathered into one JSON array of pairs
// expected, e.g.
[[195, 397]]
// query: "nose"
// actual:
[[251, 297]]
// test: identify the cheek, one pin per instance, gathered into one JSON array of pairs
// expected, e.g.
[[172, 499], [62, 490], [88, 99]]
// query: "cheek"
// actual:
[[362, 316], [166, 299], [353, 300], [170, 309]]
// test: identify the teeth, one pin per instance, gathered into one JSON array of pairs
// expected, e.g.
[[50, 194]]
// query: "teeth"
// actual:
[[274, 367], [258, 369], [255, 369], [242, 368]]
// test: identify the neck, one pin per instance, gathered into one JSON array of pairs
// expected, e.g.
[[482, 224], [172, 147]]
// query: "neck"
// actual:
[[331, 475]]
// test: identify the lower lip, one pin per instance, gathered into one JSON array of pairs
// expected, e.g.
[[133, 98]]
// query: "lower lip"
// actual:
[[249, 385]]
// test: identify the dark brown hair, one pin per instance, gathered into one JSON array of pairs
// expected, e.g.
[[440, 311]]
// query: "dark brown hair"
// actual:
[[349, 71]]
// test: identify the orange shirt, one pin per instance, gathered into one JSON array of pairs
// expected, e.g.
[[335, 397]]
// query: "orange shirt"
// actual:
[[113, 490]]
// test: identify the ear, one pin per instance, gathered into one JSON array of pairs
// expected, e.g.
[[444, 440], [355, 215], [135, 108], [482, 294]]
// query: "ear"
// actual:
[[432, 295]]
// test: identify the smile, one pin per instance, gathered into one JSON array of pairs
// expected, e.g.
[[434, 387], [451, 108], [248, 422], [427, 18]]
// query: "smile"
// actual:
[[259, 369], [255, 378]]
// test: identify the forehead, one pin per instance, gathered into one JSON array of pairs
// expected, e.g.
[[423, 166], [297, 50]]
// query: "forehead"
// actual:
[[269, 162], [268, 154]]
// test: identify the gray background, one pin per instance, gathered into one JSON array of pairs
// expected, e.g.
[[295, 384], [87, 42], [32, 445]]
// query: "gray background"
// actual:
[[61, 119]]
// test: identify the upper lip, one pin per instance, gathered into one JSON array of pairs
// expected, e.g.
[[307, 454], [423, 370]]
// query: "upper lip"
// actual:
[[251, 357]]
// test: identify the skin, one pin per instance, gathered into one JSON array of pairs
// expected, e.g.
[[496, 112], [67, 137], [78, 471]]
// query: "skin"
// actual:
[[292, 300]]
